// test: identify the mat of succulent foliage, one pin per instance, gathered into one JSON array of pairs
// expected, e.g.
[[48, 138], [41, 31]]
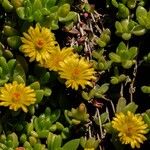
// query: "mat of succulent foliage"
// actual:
[[74, 74]]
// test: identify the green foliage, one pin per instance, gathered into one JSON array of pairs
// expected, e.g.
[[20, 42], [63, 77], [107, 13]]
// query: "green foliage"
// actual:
[[104, 38], [102, 119], [98, 92], [48, 12], [118, 79], [126, 28], [124, 55], [78, 115], [123, 25], [90, 143], [123, 107], [101, 63], [9, 142], [145, 89], [143, 17], [8, 70]]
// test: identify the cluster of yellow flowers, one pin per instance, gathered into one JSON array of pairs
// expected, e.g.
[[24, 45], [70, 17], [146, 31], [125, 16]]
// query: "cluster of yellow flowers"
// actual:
[[131, 128], [40, 45], [17, 96]]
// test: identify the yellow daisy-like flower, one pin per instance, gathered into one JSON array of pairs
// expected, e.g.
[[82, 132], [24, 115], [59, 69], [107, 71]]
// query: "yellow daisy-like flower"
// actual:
[[57, 56], [131, 128], [77, 72], [38, 43], [17, 96]]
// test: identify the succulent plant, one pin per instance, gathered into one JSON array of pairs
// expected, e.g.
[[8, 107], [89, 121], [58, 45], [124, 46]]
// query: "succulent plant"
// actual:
[[7, 70], [9, 142], [124, 55], [104, 38], [101, 63], [143, 16], [78, 115], [89, 144], [112, 36], [97, 92], [48, 13]]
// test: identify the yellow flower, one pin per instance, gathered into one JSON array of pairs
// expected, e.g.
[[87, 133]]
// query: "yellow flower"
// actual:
[[77, 72], [17, 96], [38, 43], [131, 128], [57, 56]]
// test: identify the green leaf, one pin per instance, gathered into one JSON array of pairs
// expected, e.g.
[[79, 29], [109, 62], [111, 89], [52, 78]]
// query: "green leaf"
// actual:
[[146, 119], [101, 43], [21, 60], [114, 57], [123, 11], [45, 78], [7, 5], [131, 25], [14, 41], [51, 3], [103, 118], [11, 66], [21, 12], [14, 138], [121, 104], [139, 30], [114, 80], [72, 145], [121, 47], [19, 79], [131, 4], [141, 14], [85, 95], [103, 88], [108, 127], [130, 107], [35, 85], [43, 133], [9, 31], [37, 5], [141, 11], [53, 141], [119, 27], [125, 24], [37, 15], [39, 95], [133, 52], [114, 3], [55, 115], [126, 36], [63, 10], [124, 54], [47, 91], [4, 65], [127, 64], [145, 89], [70, 17], [18, 70]]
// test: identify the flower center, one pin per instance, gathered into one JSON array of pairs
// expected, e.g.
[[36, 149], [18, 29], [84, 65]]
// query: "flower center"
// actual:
[[75, 73], [16, 96], [129, 130], [57, 59], [39, 43]]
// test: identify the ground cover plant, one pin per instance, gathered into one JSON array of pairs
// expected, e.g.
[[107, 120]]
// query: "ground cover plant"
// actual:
[[74, 75]]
